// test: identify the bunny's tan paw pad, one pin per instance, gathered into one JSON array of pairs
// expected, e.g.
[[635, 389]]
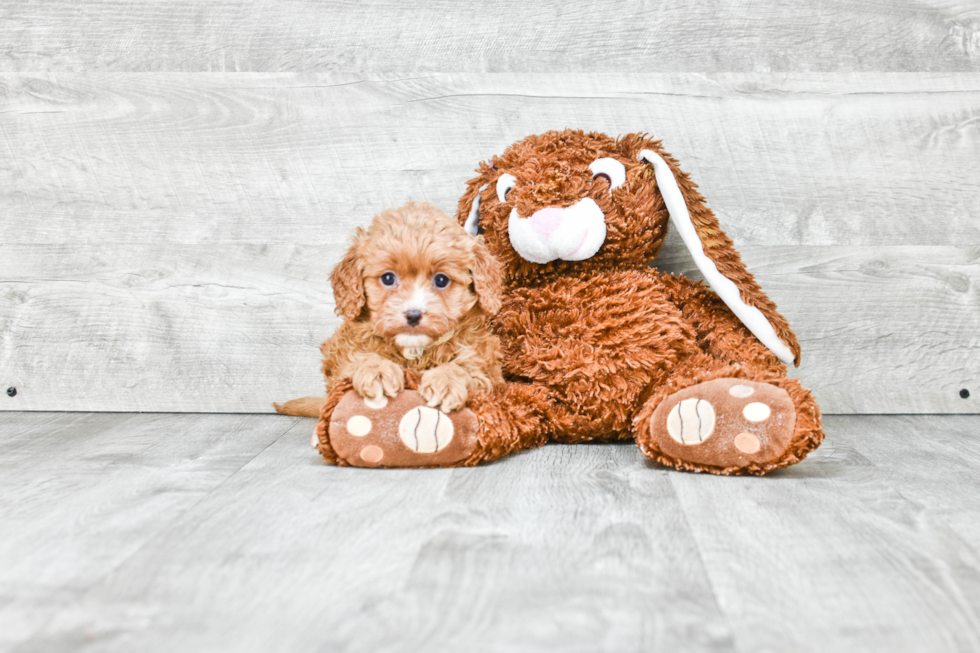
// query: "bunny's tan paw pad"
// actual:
[[400, 432], [725, 423]]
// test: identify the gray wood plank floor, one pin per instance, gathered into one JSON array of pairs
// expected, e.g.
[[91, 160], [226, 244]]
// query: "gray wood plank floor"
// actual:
[[162, 532]]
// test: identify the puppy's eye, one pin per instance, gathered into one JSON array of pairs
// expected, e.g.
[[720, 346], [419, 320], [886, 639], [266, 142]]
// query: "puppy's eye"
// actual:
[[613, 171], [504, 183], [440, 280], [388, 279]]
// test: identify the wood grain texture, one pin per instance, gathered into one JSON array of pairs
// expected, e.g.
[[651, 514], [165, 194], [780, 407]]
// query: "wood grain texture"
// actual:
[[848, 527], [84, 492], [176, 327], [909, 450], [804, 160], [883, 329], [196, 328], [167, 237], [507, 36], [180, 532]]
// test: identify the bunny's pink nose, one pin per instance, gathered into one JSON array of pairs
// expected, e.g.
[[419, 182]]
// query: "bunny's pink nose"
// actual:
[[545, 221]]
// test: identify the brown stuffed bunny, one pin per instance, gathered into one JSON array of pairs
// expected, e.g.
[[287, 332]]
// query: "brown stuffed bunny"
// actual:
[[598, 346]]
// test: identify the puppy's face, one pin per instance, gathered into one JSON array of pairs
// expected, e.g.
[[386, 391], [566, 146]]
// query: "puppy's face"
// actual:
[[414, 274], [416, 290]]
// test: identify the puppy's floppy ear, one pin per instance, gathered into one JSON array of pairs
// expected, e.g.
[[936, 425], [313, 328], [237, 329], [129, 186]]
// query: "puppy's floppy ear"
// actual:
[[716, 257], [487, 277], [348, 282]]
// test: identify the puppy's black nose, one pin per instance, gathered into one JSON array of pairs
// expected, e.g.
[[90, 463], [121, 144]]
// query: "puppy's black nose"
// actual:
[[413, 317]]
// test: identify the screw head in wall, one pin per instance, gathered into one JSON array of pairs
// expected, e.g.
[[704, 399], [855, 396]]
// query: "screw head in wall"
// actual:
[[11, 391], [965, 393]]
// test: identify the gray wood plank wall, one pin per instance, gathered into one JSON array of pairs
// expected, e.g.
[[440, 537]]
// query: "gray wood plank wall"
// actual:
[[166, 236], [500, 36]]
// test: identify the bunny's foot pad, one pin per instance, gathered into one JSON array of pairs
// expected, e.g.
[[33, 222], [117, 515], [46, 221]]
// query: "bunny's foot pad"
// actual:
[[725, 423], [400, 432]]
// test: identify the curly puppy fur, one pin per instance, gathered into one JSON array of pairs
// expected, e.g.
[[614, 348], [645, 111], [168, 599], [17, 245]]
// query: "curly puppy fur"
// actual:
[[416, 292]]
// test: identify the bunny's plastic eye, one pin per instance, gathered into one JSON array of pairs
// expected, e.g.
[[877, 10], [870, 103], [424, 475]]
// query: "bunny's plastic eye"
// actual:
[[611, 169], [388, 279], [504, 183], [440, 280]]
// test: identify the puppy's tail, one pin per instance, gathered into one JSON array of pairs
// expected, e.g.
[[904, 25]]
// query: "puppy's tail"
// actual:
[[302, 407]]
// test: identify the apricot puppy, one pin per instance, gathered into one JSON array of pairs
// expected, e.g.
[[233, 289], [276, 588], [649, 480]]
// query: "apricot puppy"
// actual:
[[416, 292]]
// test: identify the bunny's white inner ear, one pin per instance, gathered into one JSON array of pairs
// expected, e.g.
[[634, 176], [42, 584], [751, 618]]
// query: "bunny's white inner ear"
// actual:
[[472, 225], [680, 217]]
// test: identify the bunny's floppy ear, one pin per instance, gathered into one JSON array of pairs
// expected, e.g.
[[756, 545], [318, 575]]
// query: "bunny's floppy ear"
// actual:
[[472, 224], [720, 264], [487, 278], [487, 271], [468, 211], [347, 281]]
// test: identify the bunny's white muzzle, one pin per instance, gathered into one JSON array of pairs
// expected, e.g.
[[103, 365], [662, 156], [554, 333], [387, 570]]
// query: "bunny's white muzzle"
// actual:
[[574, 233]]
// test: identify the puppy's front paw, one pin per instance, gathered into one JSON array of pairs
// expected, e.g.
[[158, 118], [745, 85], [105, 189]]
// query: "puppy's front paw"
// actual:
[[445, 386], [375, 377]]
